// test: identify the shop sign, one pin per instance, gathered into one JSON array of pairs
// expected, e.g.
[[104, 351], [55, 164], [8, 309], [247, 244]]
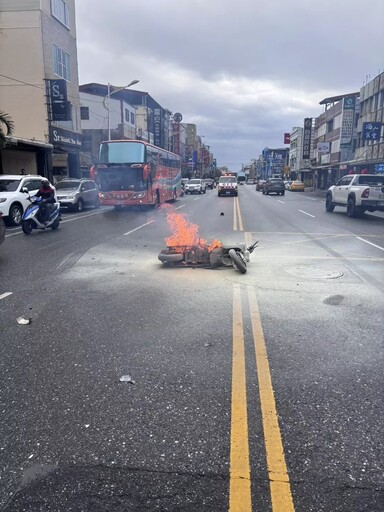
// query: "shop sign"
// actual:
[[347, 121], [157, 118], [323, 147], [60, 137], [58, 99], [307, 138], [371, 131]]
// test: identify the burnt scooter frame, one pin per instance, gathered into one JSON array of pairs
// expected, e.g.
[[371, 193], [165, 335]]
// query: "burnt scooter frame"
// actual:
[[199, 255]]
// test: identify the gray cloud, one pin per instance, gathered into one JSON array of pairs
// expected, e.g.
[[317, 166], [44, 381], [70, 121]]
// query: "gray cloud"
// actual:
[[244, 71]]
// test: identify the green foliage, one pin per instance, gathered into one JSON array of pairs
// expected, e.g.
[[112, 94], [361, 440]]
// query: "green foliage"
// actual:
[[6, 127]]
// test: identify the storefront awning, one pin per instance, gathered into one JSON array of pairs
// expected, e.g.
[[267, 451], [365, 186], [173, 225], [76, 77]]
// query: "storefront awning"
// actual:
[[16, 141]]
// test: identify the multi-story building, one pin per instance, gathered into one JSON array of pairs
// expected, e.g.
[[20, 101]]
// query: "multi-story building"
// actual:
[[334, 136], [369, 152], [274, 161], [295, 152], [99, 116], [39, 87], [152, 120]]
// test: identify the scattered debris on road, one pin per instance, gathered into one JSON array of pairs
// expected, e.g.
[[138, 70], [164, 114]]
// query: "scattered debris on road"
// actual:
[[127, 378], [23, 321]]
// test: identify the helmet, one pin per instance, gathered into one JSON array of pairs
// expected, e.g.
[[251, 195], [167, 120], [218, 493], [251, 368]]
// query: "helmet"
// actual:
[[45, 184]]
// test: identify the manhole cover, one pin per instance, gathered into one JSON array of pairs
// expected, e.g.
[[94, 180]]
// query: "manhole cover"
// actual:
[[314, 272]]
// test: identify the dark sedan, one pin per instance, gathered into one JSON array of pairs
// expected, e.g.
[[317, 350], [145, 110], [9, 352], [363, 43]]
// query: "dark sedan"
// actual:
[[274, 186]]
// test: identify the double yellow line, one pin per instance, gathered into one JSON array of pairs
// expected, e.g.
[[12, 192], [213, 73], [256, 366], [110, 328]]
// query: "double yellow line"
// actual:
[[237, 219], [240, 499]]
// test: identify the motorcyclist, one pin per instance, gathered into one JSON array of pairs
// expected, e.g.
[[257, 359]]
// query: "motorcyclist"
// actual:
[[47, 194]]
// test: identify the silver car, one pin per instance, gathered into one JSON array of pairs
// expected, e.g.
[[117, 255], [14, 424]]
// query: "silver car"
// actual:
[[77, 194], [195, 186]]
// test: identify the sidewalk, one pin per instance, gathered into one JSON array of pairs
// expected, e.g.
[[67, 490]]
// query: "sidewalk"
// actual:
[[317, 192]]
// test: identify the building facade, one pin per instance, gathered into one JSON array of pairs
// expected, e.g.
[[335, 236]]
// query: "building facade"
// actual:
[[273, 162], [39, 53], [369, 152], [97, 118], [334, 138]]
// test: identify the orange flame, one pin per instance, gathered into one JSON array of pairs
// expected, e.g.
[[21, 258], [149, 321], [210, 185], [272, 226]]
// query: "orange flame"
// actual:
[[183, 232], [186, 234], [214, 245]]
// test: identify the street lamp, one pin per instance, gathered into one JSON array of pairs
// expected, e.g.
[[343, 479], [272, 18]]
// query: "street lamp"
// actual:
[[108, 97]]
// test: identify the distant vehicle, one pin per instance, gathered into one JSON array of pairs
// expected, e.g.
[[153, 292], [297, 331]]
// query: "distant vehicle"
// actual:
[[241, 180], [2, 229], [297, 186], [209, 183], [287, 184], [195, 186], [13, 202], [358, 193], [134, 172], [274, 186], [76, 194], [250, 181], [227, 186], [259, 184]]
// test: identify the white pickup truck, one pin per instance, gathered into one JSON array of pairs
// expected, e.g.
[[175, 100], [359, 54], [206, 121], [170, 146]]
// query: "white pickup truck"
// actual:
[[358, 193]]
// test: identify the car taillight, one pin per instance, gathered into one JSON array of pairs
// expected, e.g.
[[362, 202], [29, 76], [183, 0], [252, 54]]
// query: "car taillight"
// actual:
[[365, 193]]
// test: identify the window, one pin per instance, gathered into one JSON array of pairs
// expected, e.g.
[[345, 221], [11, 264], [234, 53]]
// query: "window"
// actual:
[[132, 118], [127, 115], [61, 62], [84, 113], [59, 10]]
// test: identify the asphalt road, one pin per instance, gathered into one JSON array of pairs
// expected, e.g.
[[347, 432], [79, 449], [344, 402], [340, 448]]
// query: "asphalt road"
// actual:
[[259, 392]]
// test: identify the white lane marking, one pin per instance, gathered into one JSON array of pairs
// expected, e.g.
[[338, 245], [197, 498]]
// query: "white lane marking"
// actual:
[[83, 216], [4, 295], [370, 243], [64, 221], [311, 198], [139, 227], [196, 198], [178, 207], [305, 213], [280, 201]]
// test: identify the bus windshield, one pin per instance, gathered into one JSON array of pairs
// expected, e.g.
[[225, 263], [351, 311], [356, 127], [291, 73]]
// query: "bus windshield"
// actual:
[[122, 152]]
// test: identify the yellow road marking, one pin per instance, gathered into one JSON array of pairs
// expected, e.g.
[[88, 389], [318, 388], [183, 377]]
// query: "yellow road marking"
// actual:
[[240, 482], [234, 216], [237, 219], [241, 228], [281, 496]]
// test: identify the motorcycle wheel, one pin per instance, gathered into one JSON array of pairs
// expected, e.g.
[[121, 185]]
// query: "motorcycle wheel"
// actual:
[[237, 261], [27, 227], [55, 224]]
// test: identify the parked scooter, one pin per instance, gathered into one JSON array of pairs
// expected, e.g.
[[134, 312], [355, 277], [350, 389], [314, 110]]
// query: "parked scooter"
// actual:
[[32, 217]]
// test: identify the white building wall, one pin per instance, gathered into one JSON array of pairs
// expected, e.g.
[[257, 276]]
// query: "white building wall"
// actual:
[[98, 112]]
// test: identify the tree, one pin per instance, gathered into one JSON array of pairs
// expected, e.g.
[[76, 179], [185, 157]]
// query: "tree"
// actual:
[[7, 123]]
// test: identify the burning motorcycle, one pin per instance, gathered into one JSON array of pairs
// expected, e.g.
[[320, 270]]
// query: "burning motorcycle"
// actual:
[[233, 255]]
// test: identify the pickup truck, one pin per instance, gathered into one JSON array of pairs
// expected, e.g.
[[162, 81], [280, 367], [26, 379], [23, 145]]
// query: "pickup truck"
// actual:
[[358, 193]]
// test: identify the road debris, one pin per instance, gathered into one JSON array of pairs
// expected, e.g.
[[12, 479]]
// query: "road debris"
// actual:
[[23, 321], [127, 378]]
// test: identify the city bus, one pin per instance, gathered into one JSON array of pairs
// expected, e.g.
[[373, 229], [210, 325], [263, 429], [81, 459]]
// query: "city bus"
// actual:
[[134, 172]]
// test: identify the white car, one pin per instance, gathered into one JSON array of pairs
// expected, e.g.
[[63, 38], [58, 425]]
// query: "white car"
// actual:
[[195, 186], [13, 201]]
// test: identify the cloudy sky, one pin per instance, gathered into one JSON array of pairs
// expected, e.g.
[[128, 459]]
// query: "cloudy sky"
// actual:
[[244, 71]]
